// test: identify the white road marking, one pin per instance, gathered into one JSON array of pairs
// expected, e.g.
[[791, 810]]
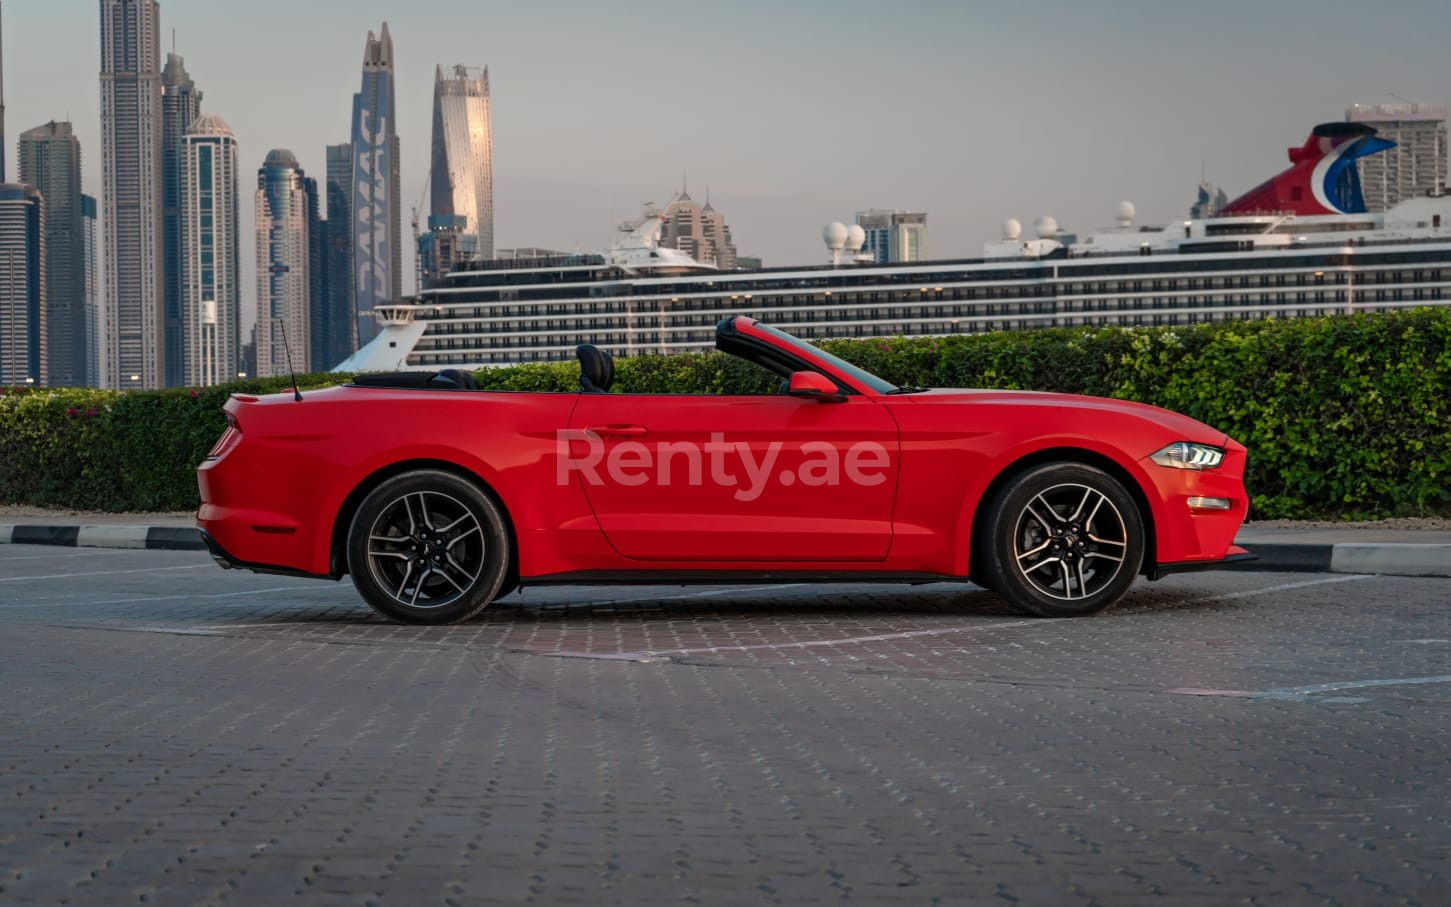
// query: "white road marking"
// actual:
[[65, 552], [1305, 692], [16, 579], [145, 598], [657, 654], [1285, 587]]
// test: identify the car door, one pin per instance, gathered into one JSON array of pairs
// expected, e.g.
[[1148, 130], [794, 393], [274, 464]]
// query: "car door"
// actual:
[[737, 478]]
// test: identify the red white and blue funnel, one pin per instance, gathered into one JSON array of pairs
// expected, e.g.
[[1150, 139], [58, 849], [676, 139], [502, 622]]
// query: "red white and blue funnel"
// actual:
[[1322, 179]]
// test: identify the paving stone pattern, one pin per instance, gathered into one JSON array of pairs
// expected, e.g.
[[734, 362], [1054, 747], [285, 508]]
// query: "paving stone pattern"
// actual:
[[173, 734]]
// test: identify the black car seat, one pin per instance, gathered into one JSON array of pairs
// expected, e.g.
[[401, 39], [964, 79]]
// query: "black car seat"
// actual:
[[596, 369]]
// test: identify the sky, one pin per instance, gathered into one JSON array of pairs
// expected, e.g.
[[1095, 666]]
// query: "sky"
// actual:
[[794, 113]]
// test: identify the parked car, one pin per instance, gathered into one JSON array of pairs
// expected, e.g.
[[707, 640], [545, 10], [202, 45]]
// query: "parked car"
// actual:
[[438, 498]]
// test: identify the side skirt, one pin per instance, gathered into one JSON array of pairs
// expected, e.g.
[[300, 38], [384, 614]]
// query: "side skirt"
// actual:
[[728, 577]]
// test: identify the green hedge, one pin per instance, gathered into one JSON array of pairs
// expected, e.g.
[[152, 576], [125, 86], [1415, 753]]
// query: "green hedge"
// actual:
[[1343, 416]]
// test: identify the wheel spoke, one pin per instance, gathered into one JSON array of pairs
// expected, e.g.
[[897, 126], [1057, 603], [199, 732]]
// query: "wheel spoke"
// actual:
[[407, 572], [1087, 493], [462, 569], [423, 512], [451, 580], [1098, 541], [418, 587], [1047, 524], [1082, 583], [1067, 583], [1034, 551], [450, 527], [461, 536]]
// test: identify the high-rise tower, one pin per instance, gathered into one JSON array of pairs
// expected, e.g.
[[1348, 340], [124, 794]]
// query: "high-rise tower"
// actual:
[[377, 228], [131, 192], [50, 160], [22, 285], [210, 301], [2, 95], [181, 103], [1416, 166], [342, 321], [462, 172], [283, 259]]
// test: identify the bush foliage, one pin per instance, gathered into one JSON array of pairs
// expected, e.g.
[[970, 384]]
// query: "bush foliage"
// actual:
[[1343, 416]]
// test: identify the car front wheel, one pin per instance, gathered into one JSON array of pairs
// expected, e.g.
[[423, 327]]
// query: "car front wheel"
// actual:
[[1063, 540], [428, 547]]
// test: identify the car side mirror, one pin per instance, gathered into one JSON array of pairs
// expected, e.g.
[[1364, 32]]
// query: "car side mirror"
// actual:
[[816, 386]]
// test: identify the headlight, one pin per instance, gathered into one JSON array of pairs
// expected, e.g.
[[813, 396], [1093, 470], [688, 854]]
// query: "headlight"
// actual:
[[1188, 455]]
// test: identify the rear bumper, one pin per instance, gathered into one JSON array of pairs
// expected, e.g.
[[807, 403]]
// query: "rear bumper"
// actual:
[[1235, 555], [226, 561]]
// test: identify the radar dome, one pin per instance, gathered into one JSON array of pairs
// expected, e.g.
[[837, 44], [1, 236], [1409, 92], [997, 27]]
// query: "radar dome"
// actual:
[[1045, 227], [1124, 213], [855, 238], [1012, 229], [834, 235]]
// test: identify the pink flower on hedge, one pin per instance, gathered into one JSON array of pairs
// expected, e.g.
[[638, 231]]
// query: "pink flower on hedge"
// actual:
[[194, 395], [92, 413], [72, 412]]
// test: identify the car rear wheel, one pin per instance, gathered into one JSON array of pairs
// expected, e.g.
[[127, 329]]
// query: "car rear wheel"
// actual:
[[428, 547], [1063, 540]]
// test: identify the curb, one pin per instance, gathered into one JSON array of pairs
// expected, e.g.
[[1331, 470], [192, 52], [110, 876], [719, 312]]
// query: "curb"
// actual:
[[1385, 558], [166, 538]]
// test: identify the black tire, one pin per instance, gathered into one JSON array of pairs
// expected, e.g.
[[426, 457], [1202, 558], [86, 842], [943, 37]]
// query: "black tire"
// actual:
[[428, 547], [1062, 540]]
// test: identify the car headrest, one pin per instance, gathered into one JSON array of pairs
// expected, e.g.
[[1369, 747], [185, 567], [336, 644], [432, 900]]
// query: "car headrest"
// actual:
[[460, 378], [596, 369]]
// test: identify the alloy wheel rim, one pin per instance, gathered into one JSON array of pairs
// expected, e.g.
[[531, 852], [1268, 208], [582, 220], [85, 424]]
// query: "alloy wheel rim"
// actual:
[[426, 549], [1070, 542]]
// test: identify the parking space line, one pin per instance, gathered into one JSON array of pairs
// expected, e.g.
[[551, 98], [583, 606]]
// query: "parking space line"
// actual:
[[145, 598], [1304, 693], [62, 553], [16, 579]]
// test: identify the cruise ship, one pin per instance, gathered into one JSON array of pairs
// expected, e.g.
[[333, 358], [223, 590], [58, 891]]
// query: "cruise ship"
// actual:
[[1300, 244]]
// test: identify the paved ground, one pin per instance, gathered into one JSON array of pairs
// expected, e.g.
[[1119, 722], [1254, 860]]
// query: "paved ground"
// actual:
[[172, 733]]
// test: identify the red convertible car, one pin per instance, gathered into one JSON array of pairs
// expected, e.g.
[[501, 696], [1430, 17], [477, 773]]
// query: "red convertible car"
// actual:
[[438, 497]]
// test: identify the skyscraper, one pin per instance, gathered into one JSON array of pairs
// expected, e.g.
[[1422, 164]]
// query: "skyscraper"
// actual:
[[1416, 166], [50, 160], [342, 322], [699, 231], [894, 236], [181, 103], [22, 285], [210, 298], [317, 310], [3, 177], [462, 171], [131, 192], [377, 228], [282, 265], [90, 269]]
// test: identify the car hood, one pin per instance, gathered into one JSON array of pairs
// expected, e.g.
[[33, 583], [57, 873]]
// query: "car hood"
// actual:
[[1183, 427]]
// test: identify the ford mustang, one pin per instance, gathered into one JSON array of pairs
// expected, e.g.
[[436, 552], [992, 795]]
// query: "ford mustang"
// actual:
[[438, 497]]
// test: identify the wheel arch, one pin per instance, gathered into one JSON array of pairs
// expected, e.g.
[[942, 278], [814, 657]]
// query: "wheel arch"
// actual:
[[337, 548], [1064, 455]]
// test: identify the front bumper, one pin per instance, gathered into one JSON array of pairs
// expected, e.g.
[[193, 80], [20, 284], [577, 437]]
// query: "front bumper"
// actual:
[[1235, 555]]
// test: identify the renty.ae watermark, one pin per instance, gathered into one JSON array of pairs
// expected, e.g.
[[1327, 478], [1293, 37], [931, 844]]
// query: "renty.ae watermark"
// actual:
[[747, 467]]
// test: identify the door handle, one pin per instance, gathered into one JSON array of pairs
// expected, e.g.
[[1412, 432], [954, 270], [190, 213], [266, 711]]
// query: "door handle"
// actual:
[[617, 431]]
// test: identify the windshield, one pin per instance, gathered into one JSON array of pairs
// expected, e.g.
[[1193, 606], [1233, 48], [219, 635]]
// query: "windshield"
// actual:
[[861, 376]]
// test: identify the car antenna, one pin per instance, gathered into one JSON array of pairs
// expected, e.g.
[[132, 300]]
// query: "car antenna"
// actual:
[[296, 394]]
